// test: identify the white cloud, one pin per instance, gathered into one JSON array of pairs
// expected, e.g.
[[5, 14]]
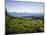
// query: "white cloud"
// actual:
[[20, 10], [23, 10]]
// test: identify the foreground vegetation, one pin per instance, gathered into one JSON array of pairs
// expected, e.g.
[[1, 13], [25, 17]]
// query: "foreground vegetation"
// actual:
[[23, 25]]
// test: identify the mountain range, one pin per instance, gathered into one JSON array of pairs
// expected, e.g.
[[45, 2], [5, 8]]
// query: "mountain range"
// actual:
[[24, 14], [27, 15]]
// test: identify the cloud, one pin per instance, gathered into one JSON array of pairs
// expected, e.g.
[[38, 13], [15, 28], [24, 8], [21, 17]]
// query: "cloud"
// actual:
[[23, 10]]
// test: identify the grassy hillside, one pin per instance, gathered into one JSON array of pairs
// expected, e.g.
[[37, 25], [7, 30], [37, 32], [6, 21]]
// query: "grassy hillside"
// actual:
[[23, 25]]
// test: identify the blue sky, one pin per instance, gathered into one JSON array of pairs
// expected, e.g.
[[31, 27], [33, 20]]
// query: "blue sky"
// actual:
[[24, 7]]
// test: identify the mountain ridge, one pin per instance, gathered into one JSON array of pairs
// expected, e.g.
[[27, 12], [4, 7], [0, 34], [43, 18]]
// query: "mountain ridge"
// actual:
[[24, 14]]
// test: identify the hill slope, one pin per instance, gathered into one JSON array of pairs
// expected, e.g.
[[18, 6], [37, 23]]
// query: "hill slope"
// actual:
[[23, 25]]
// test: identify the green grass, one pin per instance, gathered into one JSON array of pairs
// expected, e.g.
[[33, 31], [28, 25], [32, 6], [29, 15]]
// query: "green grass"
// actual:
[[23, 25]]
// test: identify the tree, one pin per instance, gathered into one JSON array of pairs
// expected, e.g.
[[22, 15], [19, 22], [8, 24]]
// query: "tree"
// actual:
[[6, 11]]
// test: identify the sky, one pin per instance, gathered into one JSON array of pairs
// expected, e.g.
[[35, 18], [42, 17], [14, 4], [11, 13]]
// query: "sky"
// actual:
[[24, 6]]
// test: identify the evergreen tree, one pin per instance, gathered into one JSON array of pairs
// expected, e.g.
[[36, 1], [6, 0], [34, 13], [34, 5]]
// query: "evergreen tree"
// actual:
[[6, 11]]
